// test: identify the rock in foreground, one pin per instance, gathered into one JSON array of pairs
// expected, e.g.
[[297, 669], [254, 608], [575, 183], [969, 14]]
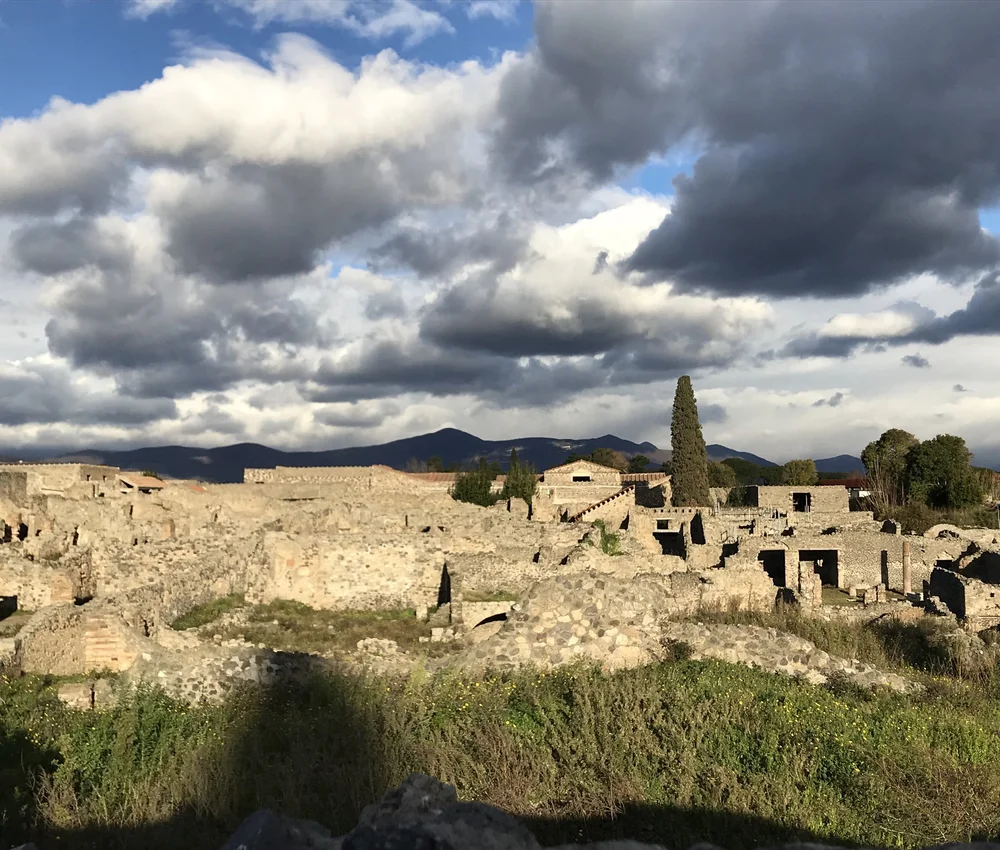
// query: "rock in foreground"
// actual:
[[425, 814]]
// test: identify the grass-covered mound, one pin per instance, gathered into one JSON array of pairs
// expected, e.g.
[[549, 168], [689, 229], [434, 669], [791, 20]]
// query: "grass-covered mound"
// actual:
[[675, 753]]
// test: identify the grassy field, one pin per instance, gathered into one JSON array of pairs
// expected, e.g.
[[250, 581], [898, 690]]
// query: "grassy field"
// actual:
[[295, 627], [673, 753]]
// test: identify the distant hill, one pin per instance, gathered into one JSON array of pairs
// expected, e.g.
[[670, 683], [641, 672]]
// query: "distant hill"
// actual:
[[720, 453], [840, 463], [226, 464]]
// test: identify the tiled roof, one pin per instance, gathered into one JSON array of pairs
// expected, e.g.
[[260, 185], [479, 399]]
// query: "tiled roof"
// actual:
[[142, 482]]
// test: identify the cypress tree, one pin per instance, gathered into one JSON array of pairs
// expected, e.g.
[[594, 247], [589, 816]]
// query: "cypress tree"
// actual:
[[689, 484]]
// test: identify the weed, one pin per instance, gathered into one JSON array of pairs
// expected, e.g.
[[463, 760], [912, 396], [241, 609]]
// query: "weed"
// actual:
[[209, 612]]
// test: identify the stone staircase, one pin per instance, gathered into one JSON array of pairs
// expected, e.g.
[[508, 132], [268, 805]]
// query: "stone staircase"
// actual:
[[602, 503]]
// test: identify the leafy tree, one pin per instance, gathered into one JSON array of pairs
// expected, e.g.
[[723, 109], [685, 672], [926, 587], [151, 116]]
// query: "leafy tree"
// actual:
[[940, 475], [435, 464], [886, 462], [689, 456], [608, 457], [521, 481], [799, 473], [721, 475], [667, 467], [638, 463], [475, 485]]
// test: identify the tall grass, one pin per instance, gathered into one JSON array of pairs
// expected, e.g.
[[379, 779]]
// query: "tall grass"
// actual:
[[674, 753], [924, 646]]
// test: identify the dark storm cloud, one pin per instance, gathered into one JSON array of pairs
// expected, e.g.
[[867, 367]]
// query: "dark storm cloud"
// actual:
[[979, 317], [843, 146], [474, 319], [256, 222], [712, 413], [917, 361], [50, 249], [160, 336], [46, 395], [438, 251]]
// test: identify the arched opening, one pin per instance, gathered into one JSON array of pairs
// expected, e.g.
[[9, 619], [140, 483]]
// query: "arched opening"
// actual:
[[76, 535], [444, 588], [494, 618], [22, 531]]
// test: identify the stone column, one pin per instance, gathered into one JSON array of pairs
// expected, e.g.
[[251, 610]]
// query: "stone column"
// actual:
[[907, 581]]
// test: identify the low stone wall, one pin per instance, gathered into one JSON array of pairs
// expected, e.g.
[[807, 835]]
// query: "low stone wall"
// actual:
[[778, 652], [609, 620]]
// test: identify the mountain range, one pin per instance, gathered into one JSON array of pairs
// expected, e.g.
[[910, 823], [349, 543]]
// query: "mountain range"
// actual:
[[226, 464]]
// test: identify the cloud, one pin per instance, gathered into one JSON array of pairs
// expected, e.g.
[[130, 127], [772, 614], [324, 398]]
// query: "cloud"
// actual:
[[958, 388], [556, 303], [501, 10], [833, 401], [825, 165], [373, 19], [144, 8], [917, 361], [45, 392]]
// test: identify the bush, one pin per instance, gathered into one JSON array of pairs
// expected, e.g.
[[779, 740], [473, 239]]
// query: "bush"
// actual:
[[610, 541]]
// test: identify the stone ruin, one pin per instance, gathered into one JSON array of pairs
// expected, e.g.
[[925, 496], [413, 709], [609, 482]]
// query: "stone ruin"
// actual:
[[105, 560]]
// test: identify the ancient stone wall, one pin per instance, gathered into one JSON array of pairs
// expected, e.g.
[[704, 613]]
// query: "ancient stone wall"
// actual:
[[14, 485], [862, 559], [782, 499], [974, 602]]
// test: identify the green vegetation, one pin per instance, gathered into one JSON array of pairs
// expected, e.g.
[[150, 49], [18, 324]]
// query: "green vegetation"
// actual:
[[921, 649], [748, 472], [475, 485], [602, 457], [611, 542], [720, 475], [521, 481], [208, 612], [676, 752], [937, 474], [799, 473], [638, 463], [689, 457], [295, 627]]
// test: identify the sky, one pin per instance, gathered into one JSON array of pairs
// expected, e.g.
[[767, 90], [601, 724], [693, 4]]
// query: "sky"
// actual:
[[323, 223]]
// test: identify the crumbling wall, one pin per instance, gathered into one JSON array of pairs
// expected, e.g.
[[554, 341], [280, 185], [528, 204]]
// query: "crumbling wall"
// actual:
[[974, 602], [822, 499]]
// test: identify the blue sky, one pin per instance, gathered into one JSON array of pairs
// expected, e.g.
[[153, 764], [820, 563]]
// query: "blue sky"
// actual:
[[83, 50]]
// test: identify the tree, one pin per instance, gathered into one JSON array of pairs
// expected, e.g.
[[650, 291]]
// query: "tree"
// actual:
[[939, 474], [886, 462], [608, 457], [638, 463], [475, 485], [435, 464], [521, 481], [667, 467], [720, 475], [689, 456], [799, 473]]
